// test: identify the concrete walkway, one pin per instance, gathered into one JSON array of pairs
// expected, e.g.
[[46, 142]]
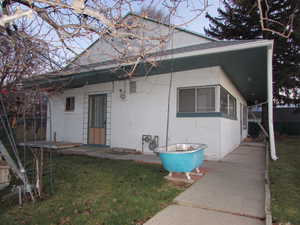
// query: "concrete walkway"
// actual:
[[231, 193]]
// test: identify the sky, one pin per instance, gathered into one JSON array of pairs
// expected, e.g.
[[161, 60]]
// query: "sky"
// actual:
[[198, 24]]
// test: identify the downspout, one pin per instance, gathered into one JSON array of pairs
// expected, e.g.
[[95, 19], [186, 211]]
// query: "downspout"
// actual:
[[270, 102]]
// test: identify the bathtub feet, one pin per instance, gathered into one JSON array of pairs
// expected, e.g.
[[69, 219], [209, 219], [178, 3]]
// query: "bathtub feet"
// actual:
[[198, 173], [188, 176]]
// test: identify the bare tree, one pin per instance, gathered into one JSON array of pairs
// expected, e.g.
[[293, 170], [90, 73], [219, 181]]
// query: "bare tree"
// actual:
[[21, 56], [69, 26], [156, 14]]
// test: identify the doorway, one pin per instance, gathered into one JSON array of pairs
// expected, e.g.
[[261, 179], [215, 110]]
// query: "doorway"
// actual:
[[97, 119]]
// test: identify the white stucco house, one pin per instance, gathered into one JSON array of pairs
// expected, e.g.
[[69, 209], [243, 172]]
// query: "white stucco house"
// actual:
[[212, 83]]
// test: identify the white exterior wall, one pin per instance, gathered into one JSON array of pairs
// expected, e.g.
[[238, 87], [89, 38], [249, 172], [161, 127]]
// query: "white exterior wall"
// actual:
[[73, 126], [66, 125], [145, 112], [230, 132]]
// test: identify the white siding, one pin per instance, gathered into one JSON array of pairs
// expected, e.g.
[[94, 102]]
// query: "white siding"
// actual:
[[145, 112]]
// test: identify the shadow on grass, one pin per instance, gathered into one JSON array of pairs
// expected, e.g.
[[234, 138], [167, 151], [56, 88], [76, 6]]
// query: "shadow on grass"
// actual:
[[97, 191]]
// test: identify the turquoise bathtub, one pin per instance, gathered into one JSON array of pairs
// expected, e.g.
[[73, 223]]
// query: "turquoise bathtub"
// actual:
[[182, 157]]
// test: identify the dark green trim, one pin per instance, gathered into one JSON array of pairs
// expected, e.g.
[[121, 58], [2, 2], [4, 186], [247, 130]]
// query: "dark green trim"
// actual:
[[198, 114], [203, 114]]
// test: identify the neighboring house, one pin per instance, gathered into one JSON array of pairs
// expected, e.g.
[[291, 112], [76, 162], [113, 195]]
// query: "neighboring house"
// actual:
[[212, 83]]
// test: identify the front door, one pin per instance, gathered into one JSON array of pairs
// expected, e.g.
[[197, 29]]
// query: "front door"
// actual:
[[97, 119]]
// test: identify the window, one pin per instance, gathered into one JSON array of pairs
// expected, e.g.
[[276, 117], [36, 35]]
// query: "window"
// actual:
[[223, 101], [227, 104], [198, 99], [202, 101], [187, 100], [232, 107], [245, 117], [70, 104], [206, 99], [132, 87]]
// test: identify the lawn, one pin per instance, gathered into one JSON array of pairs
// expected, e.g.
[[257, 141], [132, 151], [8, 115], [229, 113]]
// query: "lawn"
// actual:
[[98, 192], [285, 182]]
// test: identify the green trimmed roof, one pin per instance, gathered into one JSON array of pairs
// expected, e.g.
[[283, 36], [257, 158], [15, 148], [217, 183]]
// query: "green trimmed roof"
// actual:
[[247, 69]]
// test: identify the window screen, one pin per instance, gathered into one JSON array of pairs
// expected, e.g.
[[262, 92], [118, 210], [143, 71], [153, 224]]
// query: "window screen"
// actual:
[[70, 104], [232, 107], [227, 104], [206, 99], [187, 100], [223, 101], [97, 111], [203, 99], [245, 117]]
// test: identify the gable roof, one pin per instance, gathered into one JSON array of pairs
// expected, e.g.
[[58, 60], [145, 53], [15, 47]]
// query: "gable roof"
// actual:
[[192, 48], [147, 19]]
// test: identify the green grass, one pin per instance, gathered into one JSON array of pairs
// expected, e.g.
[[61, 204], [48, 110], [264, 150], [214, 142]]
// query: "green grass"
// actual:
[[97, 191], [285, 182]]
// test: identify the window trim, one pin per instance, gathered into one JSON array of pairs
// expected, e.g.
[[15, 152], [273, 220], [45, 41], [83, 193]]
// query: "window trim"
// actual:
[[66, 99]]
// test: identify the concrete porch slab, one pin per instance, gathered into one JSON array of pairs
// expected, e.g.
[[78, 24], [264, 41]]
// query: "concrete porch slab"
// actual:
[[101, 152]]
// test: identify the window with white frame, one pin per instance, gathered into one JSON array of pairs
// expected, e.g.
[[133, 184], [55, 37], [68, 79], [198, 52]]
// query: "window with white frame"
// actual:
[[197, 99], [205, 99]]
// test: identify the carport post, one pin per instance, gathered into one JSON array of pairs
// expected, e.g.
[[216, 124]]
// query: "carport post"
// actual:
[[270, 101]]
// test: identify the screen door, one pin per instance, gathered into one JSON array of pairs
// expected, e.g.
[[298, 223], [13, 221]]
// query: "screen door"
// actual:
[[97, 119]]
